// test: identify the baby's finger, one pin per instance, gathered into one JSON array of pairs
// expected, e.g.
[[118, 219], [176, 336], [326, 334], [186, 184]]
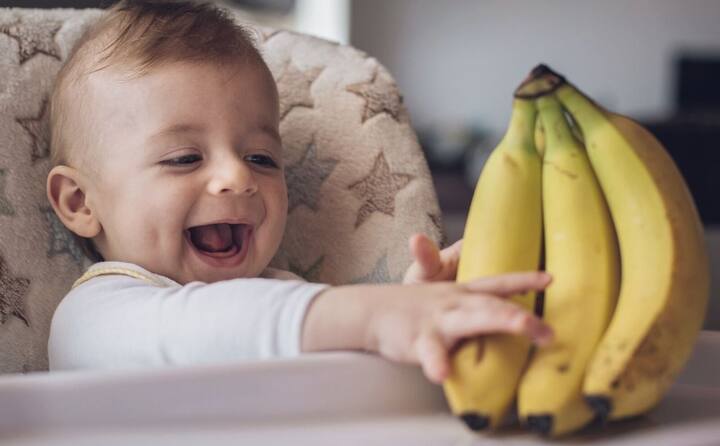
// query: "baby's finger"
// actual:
[[505, 285], [433, 357], [452, 252], [492, 315]]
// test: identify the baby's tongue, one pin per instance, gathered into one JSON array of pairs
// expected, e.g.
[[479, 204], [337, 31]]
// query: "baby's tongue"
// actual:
[[212, 238]]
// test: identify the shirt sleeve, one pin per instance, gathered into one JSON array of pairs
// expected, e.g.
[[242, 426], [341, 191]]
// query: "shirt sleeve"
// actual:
[[122, 322]]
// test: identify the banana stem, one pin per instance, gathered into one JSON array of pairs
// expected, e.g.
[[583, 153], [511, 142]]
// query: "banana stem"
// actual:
[[585, 113], [540, 82], [521, 130], [557, 130]]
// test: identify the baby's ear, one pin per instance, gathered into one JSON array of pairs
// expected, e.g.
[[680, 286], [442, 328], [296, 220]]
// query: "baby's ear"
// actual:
[[68, 199]]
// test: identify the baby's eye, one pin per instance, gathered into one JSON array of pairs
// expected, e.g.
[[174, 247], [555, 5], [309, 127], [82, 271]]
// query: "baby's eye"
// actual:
[[185, 160], [262, 160]]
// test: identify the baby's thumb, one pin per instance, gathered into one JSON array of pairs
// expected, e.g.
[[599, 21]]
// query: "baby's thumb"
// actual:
[[427, 255]]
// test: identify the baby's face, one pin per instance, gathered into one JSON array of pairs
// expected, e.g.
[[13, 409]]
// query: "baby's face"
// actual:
[[190, 182]]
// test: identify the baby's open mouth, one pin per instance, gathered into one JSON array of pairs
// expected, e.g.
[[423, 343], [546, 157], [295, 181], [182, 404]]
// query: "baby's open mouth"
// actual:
[[218, 238]]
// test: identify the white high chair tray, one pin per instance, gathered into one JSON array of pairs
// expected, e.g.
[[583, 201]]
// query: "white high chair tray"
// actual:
[[323, 399]]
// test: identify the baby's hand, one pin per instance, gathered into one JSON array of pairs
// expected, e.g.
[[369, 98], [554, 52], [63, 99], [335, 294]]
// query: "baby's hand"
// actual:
[[422, 323], [431, 264]]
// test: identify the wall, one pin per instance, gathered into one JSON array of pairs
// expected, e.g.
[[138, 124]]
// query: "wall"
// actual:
[[458, 61], [329, 19]]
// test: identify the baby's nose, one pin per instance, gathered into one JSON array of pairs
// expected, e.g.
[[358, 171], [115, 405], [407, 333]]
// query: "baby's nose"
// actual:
[[232, 176]]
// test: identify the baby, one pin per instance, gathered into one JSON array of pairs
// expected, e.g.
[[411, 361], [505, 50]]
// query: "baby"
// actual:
[[168, 165]]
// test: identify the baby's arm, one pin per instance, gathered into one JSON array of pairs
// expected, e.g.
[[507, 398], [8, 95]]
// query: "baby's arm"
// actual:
[[121, 322], [421, 323]]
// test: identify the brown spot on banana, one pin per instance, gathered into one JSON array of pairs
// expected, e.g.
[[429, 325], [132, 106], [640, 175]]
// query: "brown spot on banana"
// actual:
[[510, 161], [480, 350], [561, 170]]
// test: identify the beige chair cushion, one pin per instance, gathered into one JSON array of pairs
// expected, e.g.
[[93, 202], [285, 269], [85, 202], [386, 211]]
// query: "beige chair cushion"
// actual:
[[359, 185]]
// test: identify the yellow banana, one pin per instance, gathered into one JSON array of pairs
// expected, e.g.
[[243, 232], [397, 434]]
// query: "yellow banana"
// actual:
[[581, 255], [540, 137], [503, 233], [665, 278]]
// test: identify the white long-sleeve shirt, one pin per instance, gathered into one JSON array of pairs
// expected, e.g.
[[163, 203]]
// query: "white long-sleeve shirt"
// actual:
[[119, 315]]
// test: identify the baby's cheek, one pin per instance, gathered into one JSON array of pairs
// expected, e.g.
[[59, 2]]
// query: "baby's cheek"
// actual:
[[276, 234], [270, 239]]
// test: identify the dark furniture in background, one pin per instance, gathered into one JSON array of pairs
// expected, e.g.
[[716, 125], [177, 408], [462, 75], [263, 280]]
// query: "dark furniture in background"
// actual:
[[692, 133]]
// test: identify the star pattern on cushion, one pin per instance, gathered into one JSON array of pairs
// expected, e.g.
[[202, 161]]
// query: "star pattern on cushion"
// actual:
[[12, 291], [294, 88], [436, 220], [306, 177], [380, 95], [61, 239], [379, 274], [34, 38], [267, 34], [6, 208], [312, 273], [378, 190], [38, 129]]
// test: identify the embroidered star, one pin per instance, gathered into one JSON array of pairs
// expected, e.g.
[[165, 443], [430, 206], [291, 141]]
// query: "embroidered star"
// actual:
[[306, 177], [34, 38], [378, 190], [380, 95], [294, 88], [12, 291], [379, 273], [61, 240], [436, 220], [6, 207], [267, 33], [38, 129], [311, 274]]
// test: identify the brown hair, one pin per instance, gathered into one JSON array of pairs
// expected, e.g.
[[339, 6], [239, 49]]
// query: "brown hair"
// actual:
[[138, 35]]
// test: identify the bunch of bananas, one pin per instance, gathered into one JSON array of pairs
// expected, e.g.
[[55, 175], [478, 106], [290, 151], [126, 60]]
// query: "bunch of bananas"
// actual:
[[595, 199]]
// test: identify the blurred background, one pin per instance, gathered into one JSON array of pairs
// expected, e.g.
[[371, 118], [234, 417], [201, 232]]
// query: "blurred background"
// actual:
[[457, 63]]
